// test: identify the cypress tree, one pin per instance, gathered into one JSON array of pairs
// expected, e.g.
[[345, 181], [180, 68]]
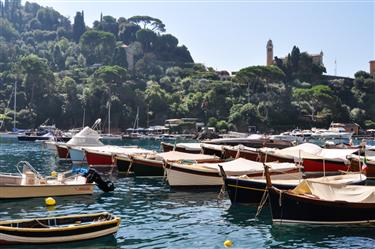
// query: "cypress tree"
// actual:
[[79, 26]]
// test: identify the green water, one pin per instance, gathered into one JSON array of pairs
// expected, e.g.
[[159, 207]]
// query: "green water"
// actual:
[[154, 216]]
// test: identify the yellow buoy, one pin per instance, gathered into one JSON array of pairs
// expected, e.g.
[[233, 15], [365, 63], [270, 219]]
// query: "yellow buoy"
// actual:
[[54, 174], [50, 201], [228, 243]]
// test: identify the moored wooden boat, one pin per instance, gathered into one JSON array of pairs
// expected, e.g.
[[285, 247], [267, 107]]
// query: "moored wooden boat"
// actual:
[[154, 164], [253, 141], [321, 203], [244, 189], [180, 174], [166, 146], [194, 148], [313, 157], [241, 151], [213, 149], [58, 229], [104, 156]]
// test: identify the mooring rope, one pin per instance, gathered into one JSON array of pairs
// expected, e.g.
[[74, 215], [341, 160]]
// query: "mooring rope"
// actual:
[[262, 203]]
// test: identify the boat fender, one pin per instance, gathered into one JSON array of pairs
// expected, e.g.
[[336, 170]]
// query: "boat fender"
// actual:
[[93, 176], [50, 201]]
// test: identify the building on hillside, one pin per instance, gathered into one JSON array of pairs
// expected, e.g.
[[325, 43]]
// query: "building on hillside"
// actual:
[[316, 58], [348, 127]]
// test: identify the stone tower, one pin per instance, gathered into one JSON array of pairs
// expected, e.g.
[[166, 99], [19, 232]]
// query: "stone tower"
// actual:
[[372, 68], [269, 52]]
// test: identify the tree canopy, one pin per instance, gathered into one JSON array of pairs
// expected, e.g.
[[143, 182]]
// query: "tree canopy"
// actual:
[[64, 70]]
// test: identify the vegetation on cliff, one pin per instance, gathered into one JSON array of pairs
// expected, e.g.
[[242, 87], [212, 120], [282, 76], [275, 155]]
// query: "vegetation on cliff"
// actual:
[[63, 70]]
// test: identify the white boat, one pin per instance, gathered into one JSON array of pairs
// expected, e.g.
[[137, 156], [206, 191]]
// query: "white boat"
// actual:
[[29, 183], [87, 137], [208, 174], [286, 136], [331, 134]]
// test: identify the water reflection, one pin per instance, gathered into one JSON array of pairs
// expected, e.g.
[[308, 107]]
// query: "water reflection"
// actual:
[[107, 242], [324, 236]]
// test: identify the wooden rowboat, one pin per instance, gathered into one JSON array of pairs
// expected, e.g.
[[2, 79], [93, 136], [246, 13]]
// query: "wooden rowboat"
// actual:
[[316, 202], [58, 229]]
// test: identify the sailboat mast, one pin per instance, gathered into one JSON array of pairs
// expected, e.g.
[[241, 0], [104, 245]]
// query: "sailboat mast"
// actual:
[[84, 116], [15, 106], [109, 117]]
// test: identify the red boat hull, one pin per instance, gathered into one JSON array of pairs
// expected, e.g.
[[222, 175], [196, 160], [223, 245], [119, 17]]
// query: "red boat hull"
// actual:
[[311, 165], [315, 165], [98, 159]]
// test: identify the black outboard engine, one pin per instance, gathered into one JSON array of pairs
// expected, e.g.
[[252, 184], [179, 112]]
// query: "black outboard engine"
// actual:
[[93, 176]]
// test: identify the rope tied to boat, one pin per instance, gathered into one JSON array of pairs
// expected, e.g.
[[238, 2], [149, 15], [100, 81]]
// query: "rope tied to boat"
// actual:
[[221, 194], [130, 166], [262, 203], [165, 170]]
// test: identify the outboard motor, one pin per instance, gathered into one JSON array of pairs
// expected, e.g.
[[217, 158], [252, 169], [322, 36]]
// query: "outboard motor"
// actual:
[[93, 176]]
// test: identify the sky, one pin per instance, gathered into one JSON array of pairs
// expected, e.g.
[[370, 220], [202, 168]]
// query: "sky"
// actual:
[[230, 35]]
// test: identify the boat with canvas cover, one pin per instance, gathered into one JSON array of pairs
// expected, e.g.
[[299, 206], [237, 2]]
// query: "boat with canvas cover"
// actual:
[[180, 174], [245, 189], [241, 151], [313, 157], [104, 156], [316, 202], [166, 146], [29, 183], [194, 148], [58, 229], [213, 149], [153, 164], [253, 140]]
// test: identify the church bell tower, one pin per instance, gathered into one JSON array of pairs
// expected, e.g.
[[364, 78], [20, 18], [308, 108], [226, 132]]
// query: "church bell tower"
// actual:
[[269, 52]]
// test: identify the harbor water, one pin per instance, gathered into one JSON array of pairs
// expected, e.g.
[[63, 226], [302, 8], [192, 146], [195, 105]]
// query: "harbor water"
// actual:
[[155, 216]]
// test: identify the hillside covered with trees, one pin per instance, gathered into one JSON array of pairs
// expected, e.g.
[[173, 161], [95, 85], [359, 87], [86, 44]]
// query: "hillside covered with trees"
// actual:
[[65, 68]]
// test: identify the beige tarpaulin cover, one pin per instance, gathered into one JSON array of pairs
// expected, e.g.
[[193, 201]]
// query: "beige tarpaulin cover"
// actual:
[[117, 150], [311, 151], [213, 146], [336, 191], [176, 155], [86, 137], [189, 146], [242, 166], [240, 147]]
